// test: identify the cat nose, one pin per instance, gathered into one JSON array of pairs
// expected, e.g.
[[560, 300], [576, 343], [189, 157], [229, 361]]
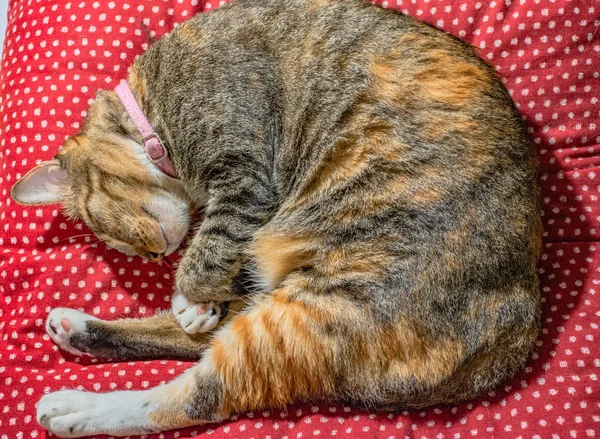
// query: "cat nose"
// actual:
[[154, 257]]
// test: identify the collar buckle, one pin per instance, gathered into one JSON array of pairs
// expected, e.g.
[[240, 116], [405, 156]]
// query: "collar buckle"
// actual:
[[159, 143]]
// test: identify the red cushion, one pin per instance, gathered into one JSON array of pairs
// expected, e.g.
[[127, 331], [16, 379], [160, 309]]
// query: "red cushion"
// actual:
[[58, 53]]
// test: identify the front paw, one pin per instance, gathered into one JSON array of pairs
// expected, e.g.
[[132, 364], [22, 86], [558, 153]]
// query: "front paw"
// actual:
[[63, 324], [201, 286], [196, 317]]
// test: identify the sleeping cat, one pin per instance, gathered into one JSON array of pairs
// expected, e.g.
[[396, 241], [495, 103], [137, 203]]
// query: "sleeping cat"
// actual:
[[365, 178]]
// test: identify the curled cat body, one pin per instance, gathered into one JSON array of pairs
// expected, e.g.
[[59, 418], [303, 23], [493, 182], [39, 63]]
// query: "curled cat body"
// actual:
[[371, 216]]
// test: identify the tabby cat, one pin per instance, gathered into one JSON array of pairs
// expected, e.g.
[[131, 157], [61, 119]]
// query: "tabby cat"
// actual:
[[371, 213]]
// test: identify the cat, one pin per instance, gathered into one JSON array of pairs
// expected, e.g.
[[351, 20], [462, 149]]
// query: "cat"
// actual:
[[365, 178]]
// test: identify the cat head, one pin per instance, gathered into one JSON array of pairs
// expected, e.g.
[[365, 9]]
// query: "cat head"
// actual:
[[103, 176]]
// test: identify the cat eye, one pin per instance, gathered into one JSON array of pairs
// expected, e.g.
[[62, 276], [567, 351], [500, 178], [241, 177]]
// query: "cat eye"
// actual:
[[154, 257]]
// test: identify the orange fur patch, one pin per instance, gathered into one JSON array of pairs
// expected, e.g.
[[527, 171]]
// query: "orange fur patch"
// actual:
[[448, 124], [317, 4], [441, 73], [271, 356], [366, 139], [72, 143], [138, 83], [369, 261], [451, 81], [277, 255], [409, 354], [427, 196], [388, 82], [346, 159]]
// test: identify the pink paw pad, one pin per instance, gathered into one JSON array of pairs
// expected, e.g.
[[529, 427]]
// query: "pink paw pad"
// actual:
[[66, 325]]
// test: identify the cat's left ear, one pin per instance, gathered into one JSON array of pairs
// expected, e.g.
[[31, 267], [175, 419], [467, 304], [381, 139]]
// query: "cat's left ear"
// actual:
[[41, 185]]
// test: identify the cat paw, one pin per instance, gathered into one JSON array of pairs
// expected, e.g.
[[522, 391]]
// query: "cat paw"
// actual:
[[71, 413], [196, 317], [63, 323]]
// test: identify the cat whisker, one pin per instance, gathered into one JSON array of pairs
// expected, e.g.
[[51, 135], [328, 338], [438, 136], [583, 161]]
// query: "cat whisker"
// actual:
[[76, 236]]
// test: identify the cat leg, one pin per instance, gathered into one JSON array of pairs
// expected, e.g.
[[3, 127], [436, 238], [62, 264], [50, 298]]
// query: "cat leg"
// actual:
[[240, 202], [202, 317], [159, 336], [276, 352], [71, 413]]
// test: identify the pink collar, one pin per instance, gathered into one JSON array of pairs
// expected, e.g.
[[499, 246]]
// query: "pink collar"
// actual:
[[152, 143]]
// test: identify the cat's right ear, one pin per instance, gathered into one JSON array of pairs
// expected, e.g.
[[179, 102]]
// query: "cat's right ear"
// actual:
[[41, 185]]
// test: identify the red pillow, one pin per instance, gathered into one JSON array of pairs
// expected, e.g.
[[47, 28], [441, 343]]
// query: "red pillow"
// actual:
[[58, 53]]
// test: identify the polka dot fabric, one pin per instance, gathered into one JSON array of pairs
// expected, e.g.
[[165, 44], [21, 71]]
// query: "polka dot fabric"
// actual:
[[59, 52]]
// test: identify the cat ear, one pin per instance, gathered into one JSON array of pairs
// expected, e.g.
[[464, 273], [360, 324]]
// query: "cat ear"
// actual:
[[41, 185]]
